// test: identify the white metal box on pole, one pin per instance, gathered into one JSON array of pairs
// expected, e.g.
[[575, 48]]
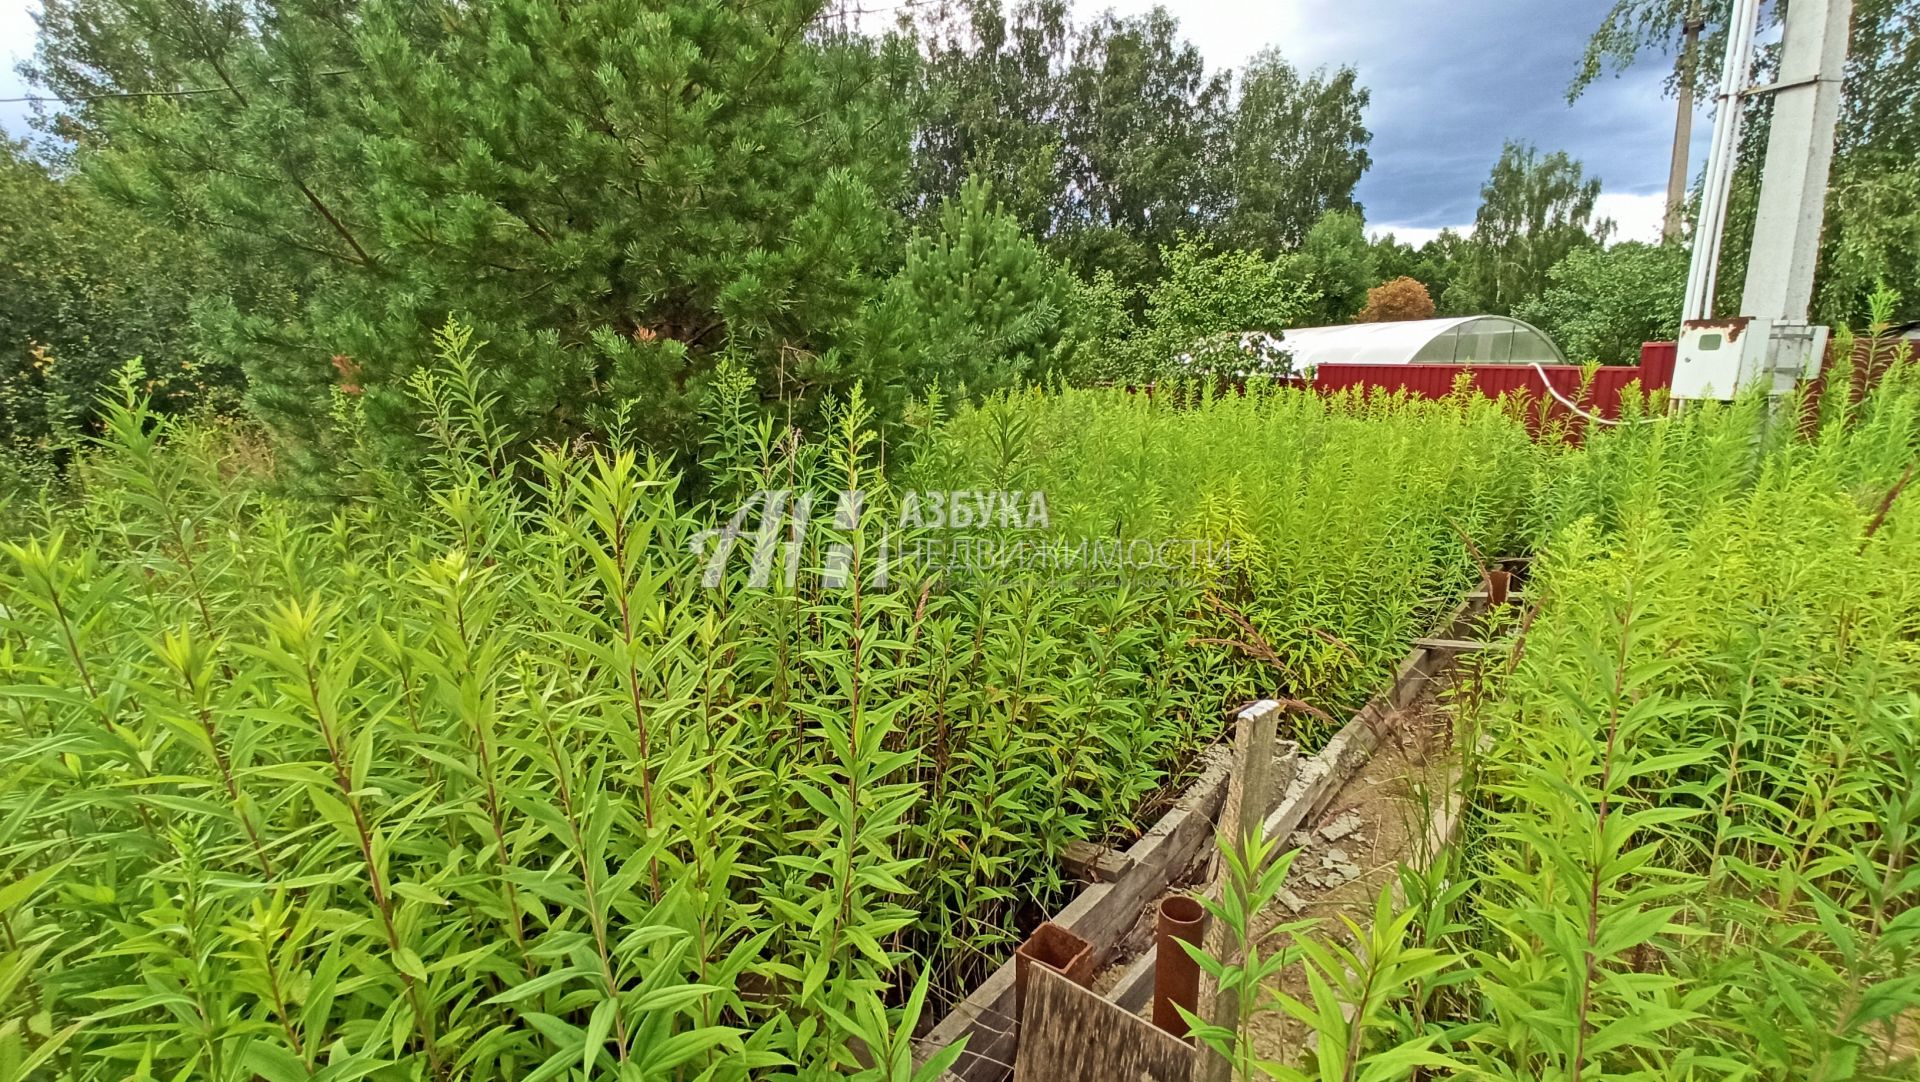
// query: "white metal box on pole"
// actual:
[[1721, 358]]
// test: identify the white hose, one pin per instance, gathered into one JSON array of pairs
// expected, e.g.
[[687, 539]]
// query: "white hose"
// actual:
[[1563, 400]]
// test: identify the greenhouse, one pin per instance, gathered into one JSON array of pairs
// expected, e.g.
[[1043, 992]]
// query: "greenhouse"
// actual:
[[1463, 340]]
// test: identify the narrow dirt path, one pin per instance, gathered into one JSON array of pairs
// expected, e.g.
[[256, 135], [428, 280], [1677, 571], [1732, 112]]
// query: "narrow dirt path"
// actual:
[[1383, 817]]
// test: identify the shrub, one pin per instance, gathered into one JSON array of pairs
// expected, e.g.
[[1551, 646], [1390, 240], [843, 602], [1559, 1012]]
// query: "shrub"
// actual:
[[1214, 296], [1402, 298]]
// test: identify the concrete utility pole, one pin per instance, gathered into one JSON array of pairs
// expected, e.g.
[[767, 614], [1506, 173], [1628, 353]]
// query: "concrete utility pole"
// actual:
[[1793, 189], [1770, 342], [1687, 70]]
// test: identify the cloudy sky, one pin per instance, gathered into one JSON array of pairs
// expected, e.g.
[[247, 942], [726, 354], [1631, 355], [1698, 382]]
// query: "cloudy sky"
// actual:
[[1454, 79], [1451, 80]]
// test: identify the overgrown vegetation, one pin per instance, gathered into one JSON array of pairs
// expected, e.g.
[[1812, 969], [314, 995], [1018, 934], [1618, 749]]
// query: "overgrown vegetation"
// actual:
[[496, 770], [1692, 791], [502, 774], [701, 676]]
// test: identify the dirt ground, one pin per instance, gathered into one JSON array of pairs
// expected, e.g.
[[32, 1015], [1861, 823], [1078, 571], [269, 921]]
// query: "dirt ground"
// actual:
[[1384, 816]]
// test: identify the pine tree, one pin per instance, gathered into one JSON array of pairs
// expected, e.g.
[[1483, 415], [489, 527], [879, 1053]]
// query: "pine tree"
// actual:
[[978, 306], [613, 194]]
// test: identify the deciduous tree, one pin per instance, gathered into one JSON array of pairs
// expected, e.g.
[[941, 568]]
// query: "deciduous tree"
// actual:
[[1534, 210], [987, 104], [1337, 263], [1873, 203], [1111, 140], [1434, 263], [1139, 114], [1293, 149], [1212, 304], [1601, 304], [87, 287]]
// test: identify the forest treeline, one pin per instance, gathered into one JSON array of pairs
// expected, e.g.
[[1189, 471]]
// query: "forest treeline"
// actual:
[[276, 203]]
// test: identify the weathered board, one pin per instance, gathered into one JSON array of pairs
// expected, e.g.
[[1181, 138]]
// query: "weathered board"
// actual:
[[1069, 1032], [1094, 863], [1134, 990], [1100, 914], [1241, 821], [1455, 645]]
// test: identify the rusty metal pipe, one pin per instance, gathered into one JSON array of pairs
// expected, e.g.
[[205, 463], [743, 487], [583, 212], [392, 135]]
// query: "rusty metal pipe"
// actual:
[[1498, 583], [1176, 976], [1054, 947]]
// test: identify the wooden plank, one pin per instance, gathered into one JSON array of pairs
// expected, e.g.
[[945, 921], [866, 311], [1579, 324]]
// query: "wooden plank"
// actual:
[[1411, 682], [1071, 1033], [1316, 782], [1408, 678], [1240, 823], [1100, 914], [985, 1019], [1455, 645], [1091, 863], [1248, 791], [1442, 827], [1134, 989], [1417, 670], [1321, 779]]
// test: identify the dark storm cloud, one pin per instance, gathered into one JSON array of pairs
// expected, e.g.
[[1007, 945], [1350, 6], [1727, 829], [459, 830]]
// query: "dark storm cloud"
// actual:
[[1452, 81]]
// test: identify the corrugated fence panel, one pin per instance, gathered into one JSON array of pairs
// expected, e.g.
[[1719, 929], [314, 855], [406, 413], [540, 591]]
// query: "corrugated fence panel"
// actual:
[[1657, 360], [1601, 397]]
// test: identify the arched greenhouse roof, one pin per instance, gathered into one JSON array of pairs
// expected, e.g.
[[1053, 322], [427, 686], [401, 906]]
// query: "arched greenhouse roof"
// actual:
[[1462, 340]]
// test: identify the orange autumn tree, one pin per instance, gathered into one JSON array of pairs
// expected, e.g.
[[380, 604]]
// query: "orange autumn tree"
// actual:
[[1400, 298]]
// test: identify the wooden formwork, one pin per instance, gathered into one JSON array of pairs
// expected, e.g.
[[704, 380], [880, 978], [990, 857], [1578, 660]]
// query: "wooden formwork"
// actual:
[[1125, 881]]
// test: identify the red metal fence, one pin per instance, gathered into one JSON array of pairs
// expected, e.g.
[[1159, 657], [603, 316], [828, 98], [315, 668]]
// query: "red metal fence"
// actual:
[[1601, 396]]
